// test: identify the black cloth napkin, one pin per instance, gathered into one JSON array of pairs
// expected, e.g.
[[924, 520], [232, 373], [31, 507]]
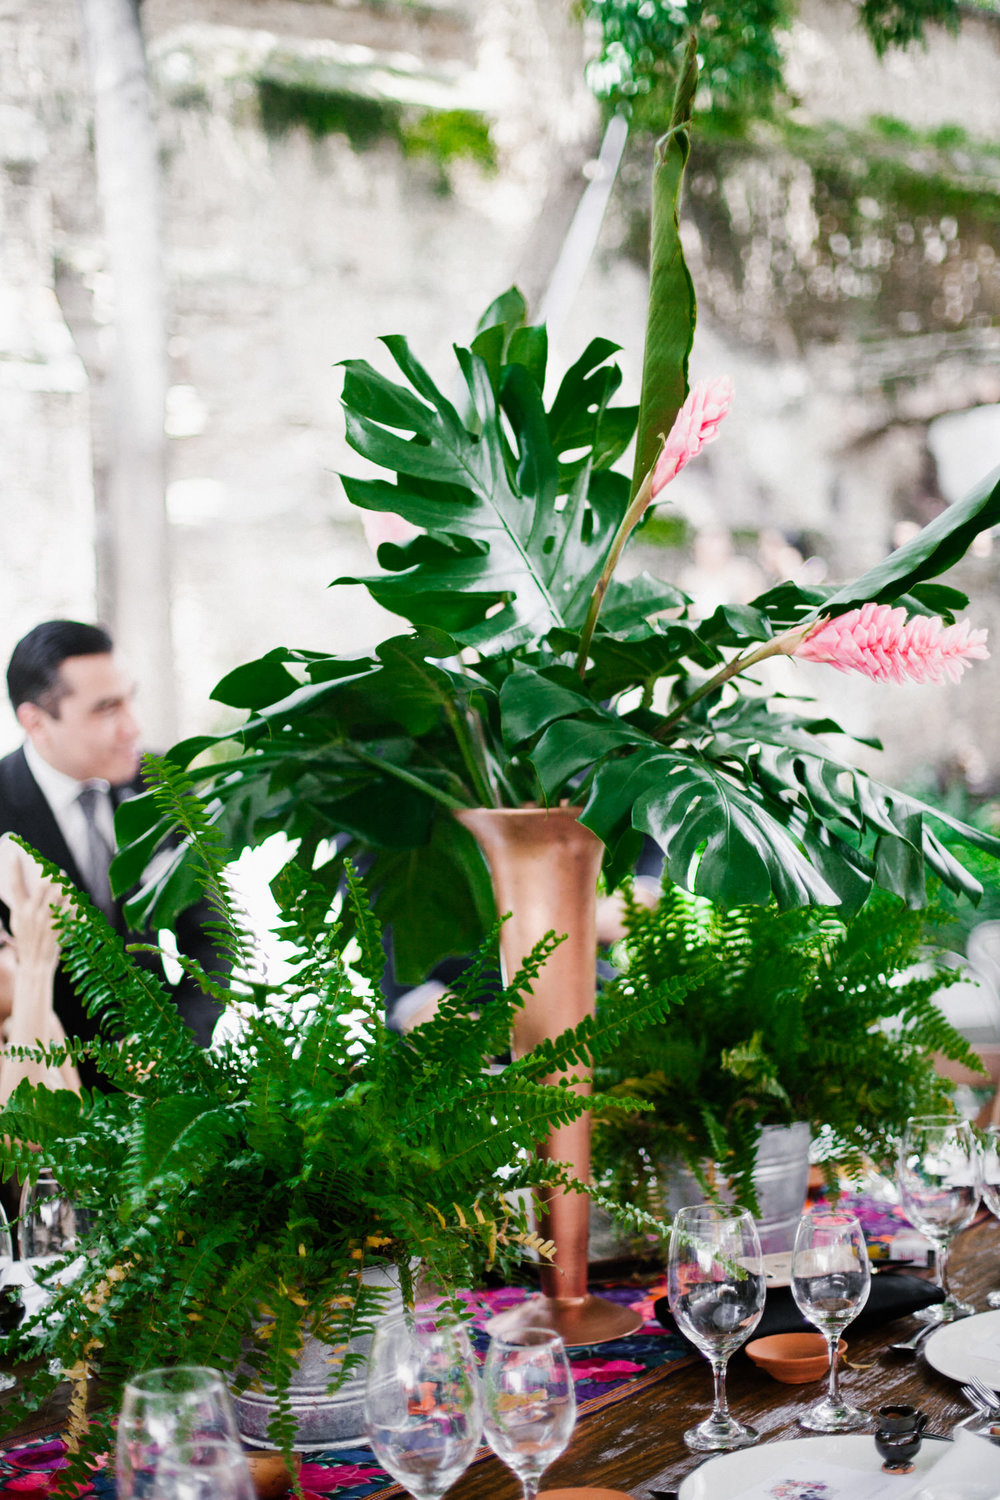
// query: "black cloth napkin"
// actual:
[[893, 1295]]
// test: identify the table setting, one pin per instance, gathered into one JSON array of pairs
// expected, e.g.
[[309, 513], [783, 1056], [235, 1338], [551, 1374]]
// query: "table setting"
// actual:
[[630, 1441]]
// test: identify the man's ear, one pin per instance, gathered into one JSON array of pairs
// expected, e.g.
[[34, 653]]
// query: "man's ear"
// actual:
[[30, 718]]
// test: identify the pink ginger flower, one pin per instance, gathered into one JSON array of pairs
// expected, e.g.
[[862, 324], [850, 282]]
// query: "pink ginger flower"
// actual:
[[696, 424], [880, 642]]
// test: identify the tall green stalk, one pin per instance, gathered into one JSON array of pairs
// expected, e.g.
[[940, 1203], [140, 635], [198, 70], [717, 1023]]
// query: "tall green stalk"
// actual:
[[671, 318]]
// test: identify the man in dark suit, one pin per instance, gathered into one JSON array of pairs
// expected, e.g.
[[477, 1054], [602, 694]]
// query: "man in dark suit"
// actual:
[[73, 697]]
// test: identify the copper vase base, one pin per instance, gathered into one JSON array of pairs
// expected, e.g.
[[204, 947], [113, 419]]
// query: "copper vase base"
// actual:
[[577, 1320]]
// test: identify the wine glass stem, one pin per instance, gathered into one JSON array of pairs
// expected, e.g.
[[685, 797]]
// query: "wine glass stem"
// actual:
[[833, 1341], [941, 1265], [529, 1488], [721, 1409]]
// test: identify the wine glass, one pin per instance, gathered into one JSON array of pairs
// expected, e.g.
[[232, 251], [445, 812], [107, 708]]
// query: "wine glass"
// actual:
[[10, 1297], [177, 1439], [49, 1225], [991, 1184], [423, 1405], [715, 1285], [939, 1183], [831, 1279], [530, 1403], [48, 1231]]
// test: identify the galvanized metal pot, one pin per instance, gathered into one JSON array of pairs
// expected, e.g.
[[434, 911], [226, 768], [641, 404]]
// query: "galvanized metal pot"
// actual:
[[780, 1177], [323, 1419]]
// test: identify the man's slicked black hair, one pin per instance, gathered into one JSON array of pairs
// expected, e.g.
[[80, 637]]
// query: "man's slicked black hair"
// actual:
[[33, 672]]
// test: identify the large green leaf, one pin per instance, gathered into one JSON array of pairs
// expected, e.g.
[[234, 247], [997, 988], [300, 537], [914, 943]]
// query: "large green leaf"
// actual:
[[718, 836], [531, 700], [536, 557], [570, 747], [436, 897], [938, 546], [796, 769]]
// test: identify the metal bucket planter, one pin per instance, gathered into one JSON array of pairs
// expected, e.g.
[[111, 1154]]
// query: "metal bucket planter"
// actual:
[[780, 1177], [323, 1419]]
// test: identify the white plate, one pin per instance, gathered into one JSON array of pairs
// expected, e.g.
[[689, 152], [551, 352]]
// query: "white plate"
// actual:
[[731, 1474], [967, 1347]]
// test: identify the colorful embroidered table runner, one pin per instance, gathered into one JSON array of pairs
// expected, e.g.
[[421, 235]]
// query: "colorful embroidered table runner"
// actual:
[[603, 1374]]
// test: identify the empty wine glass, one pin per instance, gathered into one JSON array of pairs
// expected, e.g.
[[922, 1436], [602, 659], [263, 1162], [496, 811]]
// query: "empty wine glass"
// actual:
[[715, 1284], [423, 1405], [939, 1180], [10, 1297], [177, 1439], [49, 1226], [530, 1403], [831, 1279], [49, 1230], [991, 1184]]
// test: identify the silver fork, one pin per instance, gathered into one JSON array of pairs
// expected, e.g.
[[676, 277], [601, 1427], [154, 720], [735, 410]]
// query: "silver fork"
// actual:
[[975, 1399], [987, 1397]]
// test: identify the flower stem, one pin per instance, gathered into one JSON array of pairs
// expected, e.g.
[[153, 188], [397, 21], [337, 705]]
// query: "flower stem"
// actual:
[[781, 645], [628, 524]]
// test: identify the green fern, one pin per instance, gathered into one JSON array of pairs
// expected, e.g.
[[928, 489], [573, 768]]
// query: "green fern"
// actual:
[[235, 1195], [787, 1016]]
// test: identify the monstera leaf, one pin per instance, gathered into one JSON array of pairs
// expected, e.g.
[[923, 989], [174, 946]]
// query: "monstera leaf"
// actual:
[[517, 534]]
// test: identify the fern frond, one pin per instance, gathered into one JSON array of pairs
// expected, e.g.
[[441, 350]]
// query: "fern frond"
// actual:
[[175, 797]]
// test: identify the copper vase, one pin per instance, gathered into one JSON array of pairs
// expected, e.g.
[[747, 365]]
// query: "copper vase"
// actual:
[[544, 865]]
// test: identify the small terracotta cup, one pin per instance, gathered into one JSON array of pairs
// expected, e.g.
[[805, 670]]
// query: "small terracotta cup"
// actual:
[[793, 1358], [269, 1474]]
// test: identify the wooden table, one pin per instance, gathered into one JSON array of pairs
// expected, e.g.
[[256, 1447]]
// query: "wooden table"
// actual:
[[636, 1445]]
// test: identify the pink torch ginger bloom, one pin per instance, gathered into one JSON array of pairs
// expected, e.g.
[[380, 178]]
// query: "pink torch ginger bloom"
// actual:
[[880, 642], [696, 424]]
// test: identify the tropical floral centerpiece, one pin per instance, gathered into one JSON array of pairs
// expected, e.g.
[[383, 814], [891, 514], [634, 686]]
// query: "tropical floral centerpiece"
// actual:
[[232, 1199], [529, 673]]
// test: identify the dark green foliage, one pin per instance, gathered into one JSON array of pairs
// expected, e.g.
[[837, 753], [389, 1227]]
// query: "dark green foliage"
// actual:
[[671, 323], [448, 135], [789, 1016], [443, 136], [740, 55], [899, 23], [740, 47], [286, 105], [256, 1181]]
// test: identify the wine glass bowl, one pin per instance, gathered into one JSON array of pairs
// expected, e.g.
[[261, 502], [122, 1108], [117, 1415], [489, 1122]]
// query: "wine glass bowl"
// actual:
[[423, 1405], [831, 1280], [991, 1185], [940, 1177], [177, 1439], [11, 1306], [715, 1286], [530, 1403], [50, 1224]]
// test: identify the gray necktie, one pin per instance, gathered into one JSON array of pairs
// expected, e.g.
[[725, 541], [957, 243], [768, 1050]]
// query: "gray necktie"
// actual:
[[99, 853]]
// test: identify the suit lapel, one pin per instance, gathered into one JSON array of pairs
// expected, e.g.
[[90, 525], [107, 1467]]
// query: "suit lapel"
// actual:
[[34, 820]]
